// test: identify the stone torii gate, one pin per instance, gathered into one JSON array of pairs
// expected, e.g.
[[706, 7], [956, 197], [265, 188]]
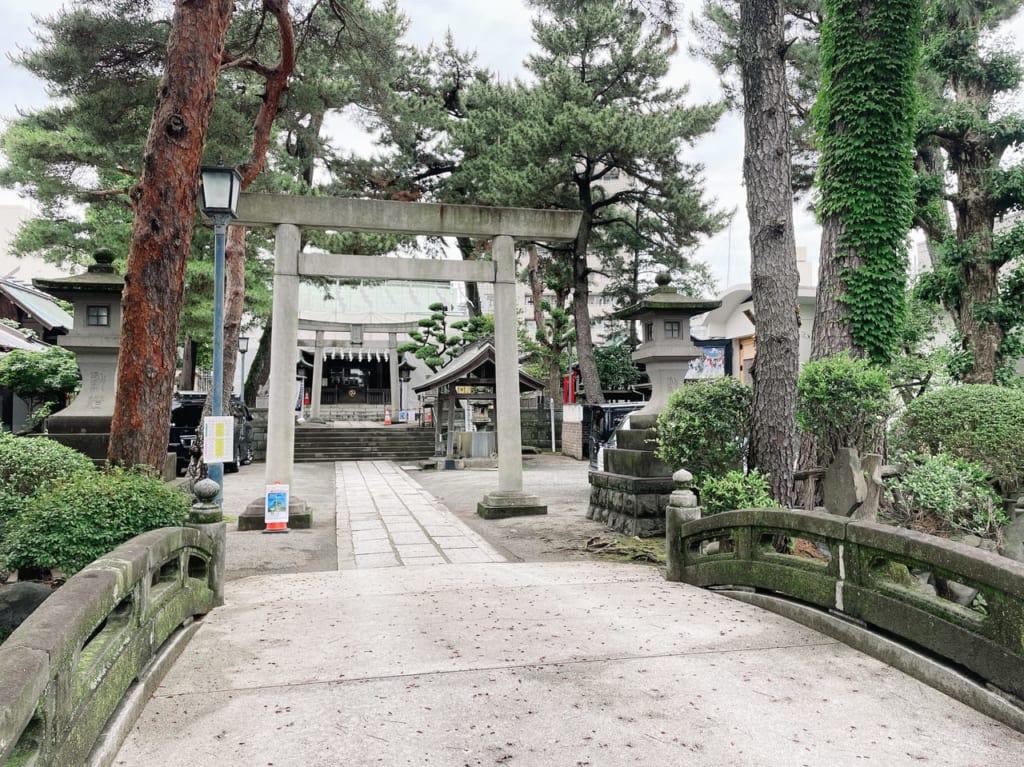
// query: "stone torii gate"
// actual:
[[500, 225]]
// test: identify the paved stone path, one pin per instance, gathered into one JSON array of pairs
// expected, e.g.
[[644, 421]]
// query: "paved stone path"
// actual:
[[385, 519], [404, 655]]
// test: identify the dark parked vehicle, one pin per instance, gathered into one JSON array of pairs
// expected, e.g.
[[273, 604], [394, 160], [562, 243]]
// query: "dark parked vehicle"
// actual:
[[186, 420], [604, 420]]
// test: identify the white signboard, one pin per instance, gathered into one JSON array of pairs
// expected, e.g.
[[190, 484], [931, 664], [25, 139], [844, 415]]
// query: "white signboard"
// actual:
[[275, 514], [218, 439]]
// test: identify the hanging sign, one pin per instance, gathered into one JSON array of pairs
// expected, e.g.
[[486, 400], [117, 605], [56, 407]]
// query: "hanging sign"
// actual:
[[218, 439]]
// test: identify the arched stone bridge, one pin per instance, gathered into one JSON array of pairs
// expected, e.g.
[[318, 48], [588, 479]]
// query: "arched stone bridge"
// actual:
[[474, 660]]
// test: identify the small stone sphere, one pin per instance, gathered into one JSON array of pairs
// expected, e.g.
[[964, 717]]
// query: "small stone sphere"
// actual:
[[662, 279], [205, 490], [682, 477]]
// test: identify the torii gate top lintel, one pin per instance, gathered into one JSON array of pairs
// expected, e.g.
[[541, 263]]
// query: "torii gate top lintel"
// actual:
[[396, 217]]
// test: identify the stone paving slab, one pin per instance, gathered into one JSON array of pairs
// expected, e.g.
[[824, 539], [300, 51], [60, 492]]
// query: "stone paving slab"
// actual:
[[381, 509], [534, 664]]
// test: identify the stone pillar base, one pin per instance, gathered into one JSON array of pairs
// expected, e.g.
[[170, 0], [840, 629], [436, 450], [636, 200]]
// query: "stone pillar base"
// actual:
[[505, 503], [300, 516]]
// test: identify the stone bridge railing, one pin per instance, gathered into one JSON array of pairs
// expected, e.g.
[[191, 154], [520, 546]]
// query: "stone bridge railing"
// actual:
[[101, 636], [963, 604]]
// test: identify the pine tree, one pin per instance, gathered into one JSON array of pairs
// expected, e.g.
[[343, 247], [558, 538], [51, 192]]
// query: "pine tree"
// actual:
[[597, 109]]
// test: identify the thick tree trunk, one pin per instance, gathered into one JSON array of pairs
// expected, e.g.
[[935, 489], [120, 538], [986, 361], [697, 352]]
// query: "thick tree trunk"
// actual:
[[551, 354], [980, 335], [832, 332], [584, 340], [773, 273], [234, 303], [164, 201]]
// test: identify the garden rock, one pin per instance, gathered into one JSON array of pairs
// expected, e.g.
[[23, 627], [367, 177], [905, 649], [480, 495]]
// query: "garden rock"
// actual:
[[19, 600], [871, 464], [956, 592], [1013, 540], [844, 488]]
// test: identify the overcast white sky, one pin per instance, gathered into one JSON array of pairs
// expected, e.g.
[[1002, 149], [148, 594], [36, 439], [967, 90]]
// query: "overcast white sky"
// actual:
[[500, 33]]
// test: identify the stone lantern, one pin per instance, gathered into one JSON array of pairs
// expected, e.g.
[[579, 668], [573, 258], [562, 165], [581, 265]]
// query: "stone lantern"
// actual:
[[96, 296], [666, 348], [630, 495]]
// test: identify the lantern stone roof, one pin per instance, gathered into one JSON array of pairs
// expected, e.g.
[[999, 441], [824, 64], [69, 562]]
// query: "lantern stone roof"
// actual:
[[100, 277], [666, 298]]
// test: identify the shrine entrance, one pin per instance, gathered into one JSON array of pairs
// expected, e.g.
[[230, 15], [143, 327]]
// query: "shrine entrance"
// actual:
[[501, 226]]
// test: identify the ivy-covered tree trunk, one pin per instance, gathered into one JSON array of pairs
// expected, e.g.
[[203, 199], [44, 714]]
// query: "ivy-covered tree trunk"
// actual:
[[865, 117], [773, 274], [164, 203]]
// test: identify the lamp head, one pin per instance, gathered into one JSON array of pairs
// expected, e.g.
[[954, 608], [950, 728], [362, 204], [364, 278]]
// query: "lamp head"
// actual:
[[220, 189]]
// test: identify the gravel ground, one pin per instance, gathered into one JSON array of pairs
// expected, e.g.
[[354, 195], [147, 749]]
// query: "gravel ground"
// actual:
[[557, 480]]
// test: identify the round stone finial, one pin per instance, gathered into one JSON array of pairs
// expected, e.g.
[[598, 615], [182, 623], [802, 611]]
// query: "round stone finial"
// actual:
[[205, 490], [104, 256], [682, 478], [662, 279]]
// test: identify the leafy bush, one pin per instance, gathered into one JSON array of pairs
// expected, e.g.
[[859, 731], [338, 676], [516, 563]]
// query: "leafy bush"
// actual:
[[952, 491], [978, 422], [88, 516], [40, 378], [843, 401], [736, 490], [32, 465], [705, 425]]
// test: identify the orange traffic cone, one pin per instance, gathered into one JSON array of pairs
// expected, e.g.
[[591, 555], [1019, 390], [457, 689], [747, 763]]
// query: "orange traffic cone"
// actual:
[[387, 416]]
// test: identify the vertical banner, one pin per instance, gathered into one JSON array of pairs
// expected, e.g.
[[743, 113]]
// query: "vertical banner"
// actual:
[[275, 514], [218, 439]]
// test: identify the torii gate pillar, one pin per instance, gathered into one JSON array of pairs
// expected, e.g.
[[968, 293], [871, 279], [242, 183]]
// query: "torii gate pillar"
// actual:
[[509, 500]]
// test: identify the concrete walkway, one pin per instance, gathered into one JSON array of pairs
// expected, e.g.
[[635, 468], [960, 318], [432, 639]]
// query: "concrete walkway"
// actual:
[[385, 661]]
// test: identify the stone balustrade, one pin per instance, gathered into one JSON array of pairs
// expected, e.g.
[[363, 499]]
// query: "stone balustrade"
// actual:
[[962, 604], [102, 636]]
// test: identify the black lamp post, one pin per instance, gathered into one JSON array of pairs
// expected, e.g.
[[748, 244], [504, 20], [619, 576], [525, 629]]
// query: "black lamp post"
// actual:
[[243, 347], [404, 374], [220, 189]]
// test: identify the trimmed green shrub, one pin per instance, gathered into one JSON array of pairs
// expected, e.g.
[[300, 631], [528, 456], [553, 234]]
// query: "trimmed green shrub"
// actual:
[[978, 422], [951, 491], [736, 490], [89, 515], [32, 465], [843, 401], [704, 427]]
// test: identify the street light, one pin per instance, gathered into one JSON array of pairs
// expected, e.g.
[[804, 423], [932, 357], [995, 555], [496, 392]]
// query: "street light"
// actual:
[[220, 188], [243, 347]]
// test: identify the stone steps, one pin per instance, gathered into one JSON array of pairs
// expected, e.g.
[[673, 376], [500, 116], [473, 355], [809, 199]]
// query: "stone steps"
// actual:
[[393, 443]]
